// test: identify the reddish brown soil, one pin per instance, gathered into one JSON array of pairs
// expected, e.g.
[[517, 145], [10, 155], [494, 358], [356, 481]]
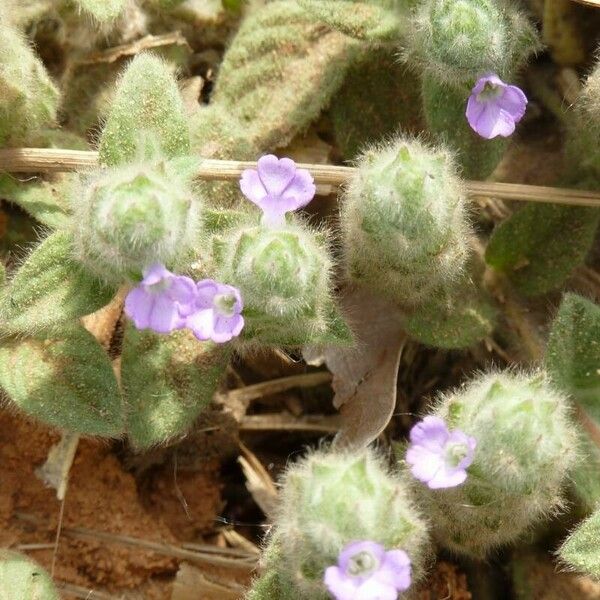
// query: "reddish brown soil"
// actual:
[[101, 496]]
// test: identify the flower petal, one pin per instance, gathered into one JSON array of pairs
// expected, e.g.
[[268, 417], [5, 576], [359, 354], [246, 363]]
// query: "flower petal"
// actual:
[[474, 110], [138, 307], [446, 478], [226, 328], [372, 589], [155, 274], [340, 585], [183, 291], [252, 187], [490, 78], [431, 433], [299, 192], [424, 463], [165, 316], [206, 290], [395, 570], [276, 173], [353, 548], [514, 102], [201, 323]]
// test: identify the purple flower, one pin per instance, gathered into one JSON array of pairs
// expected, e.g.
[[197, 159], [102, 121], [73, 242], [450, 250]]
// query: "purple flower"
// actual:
[[366, 571], [437, 456], [494, 107], [161, 301], [216, 313], [277, 187]]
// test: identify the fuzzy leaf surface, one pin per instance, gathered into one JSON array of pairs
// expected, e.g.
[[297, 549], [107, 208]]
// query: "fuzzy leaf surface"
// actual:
[[64, 380], [167, 381], [573, 352], [580, 550], [538, 247], [147, 115], [281, 71], [50, 289], [361, 20]]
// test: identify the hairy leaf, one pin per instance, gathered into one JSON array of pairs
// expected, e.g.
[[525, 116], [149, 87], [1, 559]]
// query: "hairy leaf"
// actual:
[[573, 352], [167, 382], [65, 380], [45, 201], [362, 20], [147, 115], [280, 72], [29, 99], [50, 289], [580, 550], [538, 246], [103, 10]]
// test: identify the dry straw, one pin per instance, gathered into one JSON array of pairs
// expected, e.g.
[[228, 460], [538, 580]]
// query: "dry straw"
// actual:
[[37, 160]]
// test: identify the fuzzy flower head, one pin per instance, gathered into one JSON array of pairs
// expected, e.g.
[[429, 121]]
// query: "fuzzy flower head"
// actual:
[[366, 571], [277, 187], [162, 300], [217, 312], [494, 107], [437, 456]]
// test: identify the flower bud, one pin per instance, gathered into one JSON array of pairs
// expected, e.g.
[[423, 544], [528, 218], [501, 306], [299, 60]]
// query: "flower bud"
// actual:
[[129, 218], [23, 579], [284, 276], [318, 518], [525, 447], [404, 220]]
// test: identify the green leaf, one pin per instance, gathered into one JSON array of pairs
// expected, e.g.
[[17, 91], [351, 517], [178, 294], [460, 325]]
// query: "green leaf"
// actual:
[[103, 10], [580, 550], [458, 320], [268, 330], [147, 115], [361, 20], [573, 362], [379, 95], [167, 382], [46, 202], [29, 98], [585, 475], [50, 289], [280, 72], [65, 380], [573, 352], [538, 246]]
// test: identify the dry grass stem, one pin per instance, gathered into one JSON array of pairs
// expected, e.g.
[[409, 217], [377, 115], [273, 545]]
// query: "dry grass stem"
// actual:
[[275, 386], [38, 160], [245, 563], [285, 422]]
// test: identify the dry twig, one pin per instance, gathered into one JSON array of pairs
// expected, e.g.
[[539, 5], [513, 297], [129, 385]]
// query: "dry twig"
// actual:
[[38, 160]]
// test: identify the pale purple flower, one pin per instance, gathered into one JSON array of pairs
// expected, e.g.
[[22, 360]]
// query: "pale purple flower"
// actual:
[[277, 187], [366, 571], [161, 301], [494, 107], [437, 456], [216, 313]]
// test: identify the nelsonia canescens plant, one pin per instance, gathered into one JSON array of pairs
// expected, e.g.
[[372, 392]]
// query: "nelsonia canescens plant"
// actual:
[[493, 457], [195, 277], [406, 235], [23, 579], [345, 528]]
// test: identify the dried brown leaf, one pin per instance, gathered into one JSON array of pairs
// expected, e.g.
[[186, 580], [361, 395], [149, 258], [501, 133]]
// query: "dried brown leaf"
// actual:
[[364, 377]]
